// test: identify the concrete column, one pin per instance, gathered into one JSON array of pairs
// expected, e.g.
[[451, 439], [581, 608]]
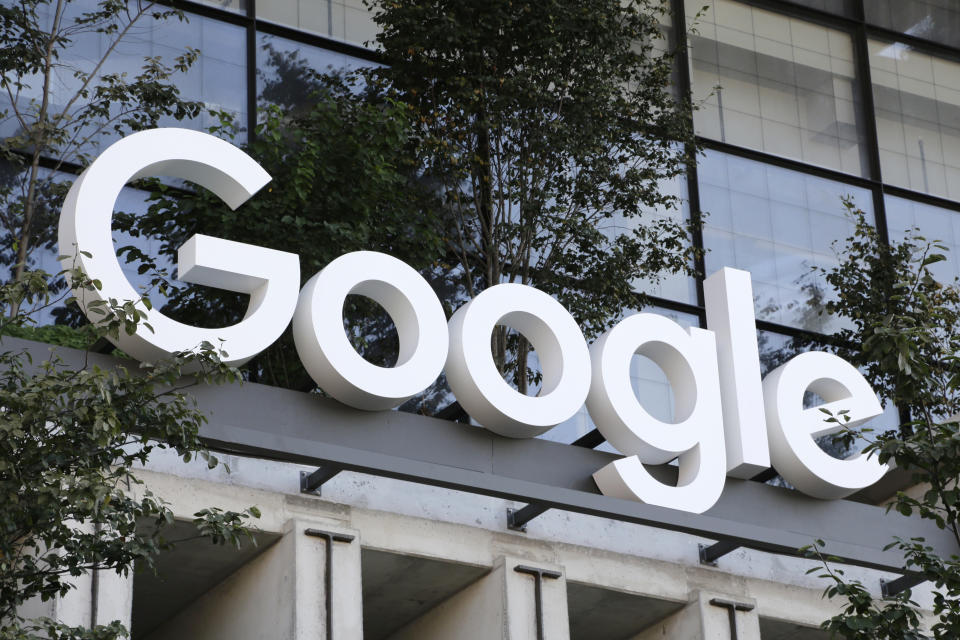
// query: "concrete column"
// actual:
[[280, 594], [701, 620], [499, 606]]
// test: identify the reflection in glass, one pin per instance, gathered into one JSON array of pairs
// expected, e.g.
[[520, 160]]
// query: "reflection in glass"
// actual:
[[778, 84], [237, 6], [934, 224], [217, 78], [937, 20], [649, 383], [779, 225], [672, 286], [285, 69], [345, 20], [917, 100]]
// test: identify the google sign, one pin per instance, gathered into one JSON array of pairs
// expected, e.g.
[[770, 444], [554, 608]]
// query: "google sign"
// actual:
[[729, 420]]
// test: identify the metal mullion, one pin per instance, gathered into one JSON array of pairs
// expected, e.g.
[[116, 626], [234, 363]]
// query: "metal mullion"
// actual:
[[861, 56], [207, 11], [810, 14], [316, 40], [693, 186], [918, 196], [868, 112], [861, 12], [923, 46], [673, 305], [251, 54], [788, 163]]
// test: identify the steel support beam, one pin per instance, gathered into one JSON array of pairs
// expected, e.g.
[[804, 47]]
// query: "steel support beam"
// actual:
[[305, 428], [709, 554], [517, 519], [311, 482], [891, 588]]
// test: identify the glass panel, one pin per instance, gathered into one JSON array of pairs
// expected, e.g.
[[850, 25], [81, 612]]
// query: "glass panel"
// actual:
[[650, 385], [678, 287], [237, 6], [934, 223], [838, 7], [345, 20], [777, 84], [937, 20], [283, 68], [777, 224], [217, 78], [917, 99]]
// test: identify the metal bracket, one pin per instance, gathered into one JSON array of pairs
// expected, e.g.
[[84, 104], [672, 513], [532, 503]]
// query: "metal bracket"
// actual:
[[709, 554], [311, 482], [517, 519], [732, 607], [329, 537], [891, 588], [538, 576]]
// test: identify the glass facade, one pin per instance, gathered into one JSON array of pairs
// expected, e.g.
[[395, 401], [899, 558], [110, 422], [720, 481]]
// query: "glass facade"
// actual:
[[283, 67], [846, 8], [777, 84], [917, 102], [217, 79], [676, 287], [931, 222], [936, 20], [802, 103], [778, 224], [346, 20]]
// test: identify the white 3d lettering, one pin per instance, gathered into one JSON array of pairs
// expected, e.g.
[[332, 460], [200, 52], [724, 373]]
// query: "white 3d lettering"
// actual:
[[729, 422]]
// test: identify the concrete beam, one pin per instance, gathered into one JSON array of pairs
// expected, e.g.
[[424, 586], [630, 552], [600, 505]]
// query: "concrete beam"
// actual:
[[279, 595], [305, 428]]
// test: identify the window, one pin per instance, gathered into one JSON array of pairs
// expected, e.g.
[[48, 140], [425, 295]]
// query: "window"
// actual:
[[917, 100], [839, 7], [345, 20], [777, 84], [934, 223], [237, 6], [675, 286], [283, 67], [778, 224], [937, 20], [217, 78]]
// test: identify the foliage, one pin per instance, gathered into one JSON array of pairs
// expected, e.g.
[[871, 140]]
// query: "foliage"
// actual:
[[60, 107], [343, 180], [904, 325], [549, 128], [71, 434]]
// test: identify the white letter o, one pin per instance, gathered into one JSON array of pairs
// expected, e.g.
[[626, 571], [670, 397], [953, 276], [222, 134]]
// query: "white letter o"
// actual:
[[558, 341], [326, 351]]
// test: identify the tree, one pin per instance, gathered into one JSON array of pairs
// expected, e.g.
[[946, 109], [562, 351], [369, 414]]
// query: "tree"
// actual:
[[71, 436], [903, 323], [58, 110], [344, 180], [549, 128]]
